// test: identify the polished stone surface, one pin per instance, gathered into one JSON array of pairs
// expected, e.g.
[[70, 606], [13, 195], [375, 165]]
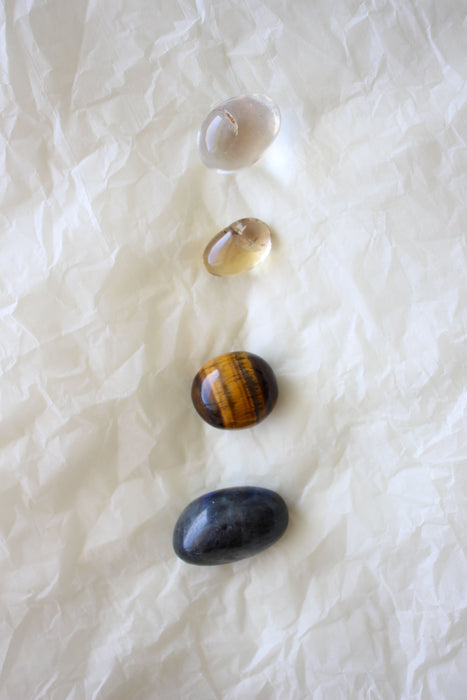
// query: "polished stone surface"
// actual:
[[238, 131], [235, 390], [238, 248], [230, 524]]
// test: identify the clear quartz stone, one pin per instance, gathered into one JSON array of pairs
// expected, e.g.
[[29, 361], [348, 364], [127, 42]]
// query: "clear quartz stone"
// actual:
[[238, 131], [237, 248]]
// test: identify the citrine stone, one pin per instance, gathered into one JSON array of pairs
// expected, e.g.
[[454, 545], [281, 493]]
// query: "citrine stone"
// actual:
[[238, 131], [237, 248], [235, 390], [230, 524]]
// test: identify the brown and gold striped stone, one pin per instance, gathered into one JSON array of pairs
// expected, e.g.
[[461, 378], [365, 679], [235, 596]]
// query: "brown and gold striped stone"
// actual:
[[235, 390]]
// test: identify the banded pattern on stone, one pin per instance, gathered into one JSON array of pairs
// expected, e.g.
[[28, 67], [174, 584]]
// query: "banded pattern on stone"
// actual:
[[235, 390]]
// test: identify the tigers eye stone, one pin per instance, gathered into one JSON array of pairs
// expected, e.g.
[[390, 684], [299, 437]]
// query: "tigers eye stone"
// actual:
[[238, 131], [235, 390], [230, 524], [237, 248]]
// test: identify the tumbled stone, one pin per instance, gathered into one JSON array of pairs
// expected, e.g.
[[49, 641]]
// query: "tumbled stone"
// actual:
[[235, 390], [230, 524], [238, 131], [237, 248]]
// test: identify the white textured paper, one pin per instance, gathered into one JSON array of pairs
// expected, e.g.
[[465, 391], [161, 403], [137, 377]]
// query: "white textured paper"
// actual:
[[107, 313]]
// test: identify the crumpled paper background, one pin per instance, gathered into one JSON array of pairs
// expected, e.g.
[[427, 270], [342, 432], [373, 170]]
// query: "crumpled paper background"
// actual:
[[107, 313]]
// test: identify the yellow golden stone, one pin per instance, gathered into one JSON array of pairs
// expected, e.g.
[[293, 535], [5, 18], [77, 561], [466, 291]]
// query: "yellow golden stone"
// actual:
[[238, 248]]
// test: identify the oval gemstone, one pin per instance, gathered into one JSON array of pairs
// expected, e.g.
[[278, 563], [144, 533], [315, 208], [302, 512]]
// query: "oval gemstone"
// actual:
[[238, 131], [230, 524], [237, 248], [235, 390]]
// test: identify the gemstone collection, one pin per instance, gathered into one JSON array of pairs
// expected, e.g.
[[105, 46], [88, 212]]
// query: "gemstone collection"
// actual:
[[238, 389]]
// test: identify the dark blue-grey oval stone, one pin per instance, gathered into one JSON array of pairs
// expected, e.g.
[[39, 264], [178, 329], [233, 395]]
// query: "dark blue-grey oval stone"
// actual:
[[230, 524]]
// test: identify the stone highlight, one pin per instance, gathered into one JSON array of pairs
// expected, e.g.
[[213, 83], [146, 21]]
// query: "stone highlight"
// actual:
[[235, 390], [230, 524]]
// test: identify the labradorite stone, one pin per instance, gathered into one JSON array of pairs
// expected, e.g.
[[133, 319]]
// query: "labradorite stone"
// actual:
[[230, 524]]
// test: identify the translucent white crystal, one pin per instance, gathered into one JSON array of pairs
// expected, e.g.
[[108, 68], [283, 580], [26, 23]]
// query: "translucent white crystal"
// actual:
[[238, 131]]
